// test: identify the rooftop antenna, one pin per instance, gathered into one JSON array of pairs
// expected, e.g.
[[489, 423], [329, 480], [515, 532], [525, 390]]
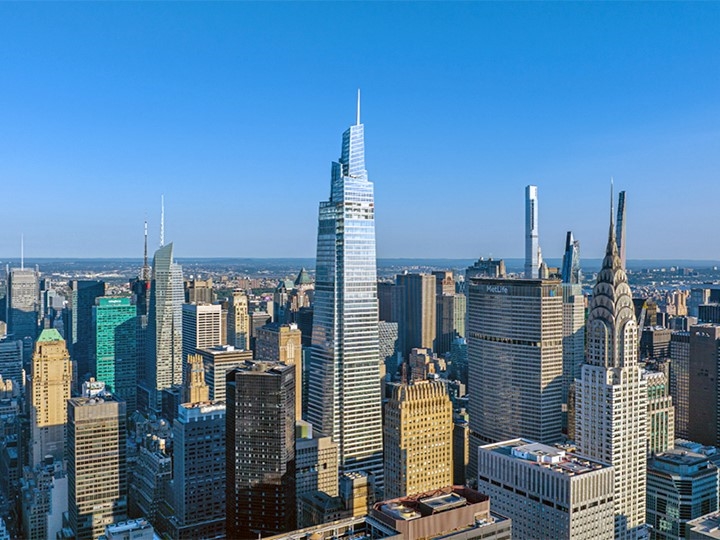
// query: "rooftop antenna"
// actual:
[[22, 252], [162, 220], [145, 269], [358, 108]]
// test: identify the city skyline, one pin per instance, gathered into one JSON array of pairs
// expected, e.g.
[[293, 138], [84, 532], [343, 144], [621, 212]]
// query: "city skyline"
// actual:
[[121, 104]]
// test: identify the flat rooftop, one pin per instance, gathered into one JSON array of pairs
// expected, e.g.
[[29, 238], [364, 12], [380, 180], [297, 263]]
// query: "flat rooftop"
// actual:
[[543, 455], [429, 503], [707, 525], [680, 456]]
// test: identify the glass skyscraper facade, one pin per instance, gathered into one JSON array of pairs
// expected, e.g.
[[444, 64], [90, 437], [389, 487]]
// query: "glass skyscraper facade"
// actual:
[[80, 333], [115, 360], [23, 304], [163, 358], [344, 387]]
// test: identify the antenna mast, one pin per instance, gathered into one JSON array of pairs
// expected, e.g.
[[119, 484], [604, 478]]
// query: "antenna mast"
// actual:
[[162, 220]]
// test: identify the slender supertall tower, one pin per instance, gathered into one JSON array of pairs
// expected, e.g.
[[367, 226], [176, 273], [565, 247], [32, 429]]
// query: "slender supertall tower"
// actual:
[[620, 231], [532, 249], [573, 325], [611, 394], [571, 261], [344, 387]]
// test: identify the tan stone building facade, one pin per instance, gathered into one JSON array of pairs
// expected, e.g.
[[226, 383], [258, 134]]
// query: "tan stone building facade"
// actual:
[[418, 439], [50, 390]]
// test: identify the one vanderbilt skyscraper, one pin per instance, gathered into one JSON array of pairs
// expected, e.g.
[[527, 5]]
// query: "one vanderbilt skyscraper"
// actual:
[[344, 385]]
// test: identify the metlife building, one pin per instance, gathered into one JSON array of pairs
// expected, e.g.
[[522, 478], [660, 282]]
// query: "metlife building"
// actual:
[[515, 359]]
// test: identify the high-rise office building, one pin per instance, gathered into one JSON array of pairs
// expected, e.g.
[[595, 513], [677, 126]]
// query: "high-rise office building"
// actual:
[[386, 298], [703, 391], [707, 293], [238, 320], [49, 391], [611, 394], [218, 362], [418, 439], [655, 343], [199, 291], [260, 450], [301, 295], [97, 470], [570, 271], [198, 484], [388, 342], [620, 229], [444, 282], [151, 470], [258, 319], [546, 491], [682, 485], [532, 248], [201, 329], [709, 313], [493, 268], [140, 289], [344, 387], [280, 302], [196, 391], [283, 343], [573, 320], [163, 360], [115, 354], [23, 305], [44, 500], [515, 359], [316, 466], [11, 361], [451, 313], [417, 311], [461, 447], [680, 381], [660, 413], [81, 332]]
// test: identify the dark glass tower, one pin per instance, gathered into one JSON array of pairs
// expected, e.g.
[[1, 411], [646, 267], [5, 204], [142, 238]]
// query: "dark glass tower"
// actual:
[[81, 333], [260, 450]]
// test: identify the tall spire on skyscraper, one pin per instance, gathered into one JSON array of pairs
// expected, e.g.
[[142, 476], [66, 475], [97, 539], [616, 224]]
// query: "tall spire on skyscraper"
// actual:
[[344, 381], [357, 122], [22, 252], [145, 272], [162, 220], [611, 393]]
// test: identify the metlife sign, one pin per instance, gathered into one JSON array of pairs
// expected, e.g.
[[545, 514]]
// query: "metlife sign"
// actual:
[[496, 289]]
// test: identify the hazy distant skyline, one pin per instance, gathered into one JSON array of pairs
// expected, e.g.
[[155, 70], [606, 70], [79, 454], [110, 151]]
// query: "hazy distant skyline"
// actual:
[[234, 111]]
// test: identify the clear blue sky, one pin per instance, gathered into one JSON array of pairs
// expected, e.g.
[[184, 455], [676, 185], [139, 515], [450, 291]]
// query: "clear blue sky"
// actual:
[[235, 110]]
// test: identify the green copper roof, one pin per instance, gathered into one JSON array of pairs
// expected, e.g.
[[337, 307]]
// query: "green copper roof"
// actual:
[[303, 278], [50, 334]]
